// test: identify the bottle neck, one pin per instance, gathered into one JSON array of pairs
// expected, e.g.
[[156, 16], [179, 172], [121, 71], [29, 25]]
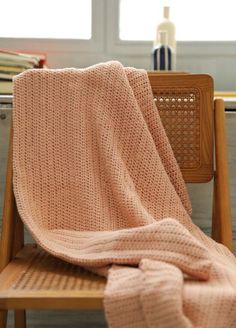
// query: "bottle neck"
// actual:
[[166, 12]]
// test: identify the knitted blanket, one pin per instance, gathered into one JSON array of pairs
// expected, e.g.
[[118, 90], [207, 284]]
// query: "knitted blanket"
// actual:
[[97, 184]]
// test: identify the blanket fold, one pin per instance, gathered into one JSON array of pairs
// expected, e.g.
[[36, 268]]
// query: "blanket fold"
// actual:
[[97, 184], [153, 293]]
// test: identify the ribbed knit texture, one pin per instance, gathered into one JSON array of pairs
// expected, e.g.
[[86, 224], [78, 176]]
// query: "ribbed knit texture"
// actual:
[[97, 184]]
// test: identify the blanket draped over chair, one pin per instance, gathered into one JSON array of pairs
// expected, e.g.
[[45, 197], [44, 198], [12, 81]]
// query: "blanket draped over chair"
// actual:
[[97, 184]]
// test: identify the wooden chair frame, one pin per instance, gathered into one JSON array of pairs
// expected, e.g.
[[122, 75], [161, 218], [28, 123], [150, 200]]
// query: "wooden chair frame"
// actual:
[[12, 239]]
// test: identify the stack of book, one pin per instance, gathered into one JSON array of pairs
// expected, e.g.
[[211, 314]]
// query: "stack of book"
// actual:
[[13, 63]]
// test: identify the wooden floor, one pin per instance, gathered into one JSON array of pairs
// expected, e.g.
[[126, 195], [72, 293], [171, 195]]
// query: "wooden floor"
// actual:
[[62, 319], [201, 201]]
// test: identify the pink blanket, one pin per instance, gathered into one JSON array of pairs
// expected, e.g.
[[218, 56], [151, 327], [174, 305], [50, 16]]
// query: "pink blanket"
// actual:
[[97, 185]]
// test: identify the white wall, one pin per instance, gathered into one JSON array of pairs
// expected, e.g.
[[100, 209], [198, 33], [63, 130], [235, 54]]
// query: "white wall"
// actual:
[[215, 58]]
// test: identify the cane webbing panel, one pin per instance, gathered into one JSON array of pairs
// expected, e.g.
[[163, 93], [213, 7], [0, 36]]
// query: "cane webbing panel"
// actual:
[[180, 113], [46, 272], [185, 104], [37, 280]]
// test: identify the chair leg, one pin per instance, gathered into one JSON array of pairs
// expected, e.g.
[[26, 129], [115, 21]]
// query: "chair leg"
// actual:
[[222, 195], [20, 318], [215, 232], [3, 319]]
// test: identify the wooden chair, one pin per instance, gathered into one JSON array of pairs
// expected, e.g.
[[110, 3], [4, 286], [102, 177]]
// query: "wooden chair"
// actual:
[[32, 279]]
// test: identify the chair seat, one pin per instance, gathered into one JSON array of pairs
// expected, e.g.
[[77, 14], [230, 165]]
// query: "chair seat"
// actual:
[[37, 280]]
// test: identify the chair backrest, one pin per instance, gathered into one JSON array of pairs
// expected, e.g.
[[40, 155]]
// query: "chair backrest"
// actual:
[[185, 104]]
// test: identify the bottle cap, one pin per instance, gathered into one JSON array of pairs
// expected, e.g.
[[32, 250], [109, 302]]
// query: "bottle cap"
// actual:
[[166, 12]]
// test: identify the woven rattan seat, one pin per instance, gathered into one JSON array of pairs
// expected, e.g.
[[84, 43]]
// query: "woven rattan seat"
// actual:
[[194, 122], [34, 272]]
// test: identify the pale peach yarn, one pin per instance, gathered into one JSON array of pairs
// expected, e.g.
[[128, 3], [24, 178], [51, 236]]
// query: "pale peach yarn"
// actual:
[[97, 184]]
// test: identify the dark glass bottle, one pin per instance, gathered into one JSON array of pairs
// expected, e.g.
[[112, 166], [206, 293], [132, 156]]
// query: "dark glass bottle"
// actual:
[[162, 54], [162, 58]]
